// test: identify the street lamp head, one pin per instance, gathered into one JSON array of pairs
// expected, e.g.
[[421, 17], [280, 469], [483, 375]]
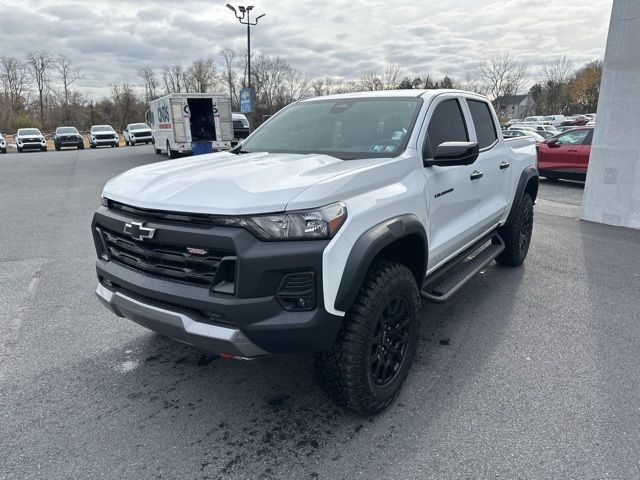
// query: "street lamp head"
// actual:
[[242, 9], [260, 16], [230, 7], [250, 7]]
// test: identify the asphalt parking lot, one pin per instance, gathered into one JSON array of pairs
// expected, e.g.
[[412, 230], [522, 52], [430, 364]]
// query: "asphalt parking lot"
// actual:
[[526, 373]]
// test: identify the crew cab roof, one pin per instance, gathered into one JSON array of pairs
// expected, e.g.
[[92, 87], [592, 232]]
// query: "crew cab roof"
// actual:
[[427, 94]]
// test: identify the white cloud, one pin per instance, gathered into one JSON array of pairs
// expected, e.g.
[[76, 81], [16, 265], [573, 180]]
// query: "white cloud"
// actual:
[[111, 39]]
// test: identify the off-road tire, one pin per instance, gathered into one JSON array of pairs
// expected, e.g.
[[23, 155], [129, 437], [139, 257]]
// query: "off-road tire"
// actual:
[[346, 370], [4, 150], [20, 150], [81, 146], [43, 149], [58, 148], [517, 234]]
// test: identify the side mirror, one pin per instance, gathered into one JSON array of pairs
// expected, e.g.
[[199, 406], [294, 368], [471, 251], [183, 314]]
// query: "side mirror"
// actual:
[[553, 142], [450, 154]]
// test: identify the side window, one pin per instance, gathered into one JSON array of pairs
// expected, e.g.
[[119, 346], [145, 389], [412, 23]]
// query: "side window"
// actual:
[[446, 125], [588, 138], [483, 121], [572, 137]]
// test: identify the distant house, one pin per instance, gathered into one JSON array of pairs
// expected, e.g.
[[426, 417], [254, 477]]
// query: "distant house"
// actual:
[[515, 106]]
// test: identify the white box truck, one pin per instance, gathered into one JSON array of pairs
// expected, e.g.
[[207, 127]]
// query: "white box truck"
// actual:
[[191, 123]]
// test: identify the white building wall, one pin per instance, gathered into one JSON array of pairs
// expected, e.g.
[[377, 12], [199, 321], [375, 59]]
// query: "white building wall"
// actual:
[[612, 191]]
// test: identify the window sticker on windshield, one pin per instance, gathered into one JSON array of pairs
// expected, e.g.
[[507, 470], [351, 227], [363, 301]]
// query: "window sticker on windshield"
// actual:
[[383, 148], [397, 135]]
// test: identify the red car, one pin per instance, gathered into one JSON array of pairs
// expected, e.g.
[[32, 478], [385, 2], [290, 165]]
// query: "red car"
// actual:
[[566, 155]]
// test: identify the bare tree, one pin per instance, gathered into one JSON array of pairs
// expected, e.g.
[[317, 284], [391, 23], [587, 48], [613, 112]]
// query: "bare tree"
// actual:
[[173, 78], [391, 76], [201, 76], [124, 102], [555, 75], [370, 81], [68, 75], [150, 81], [500, 75], [39, 65], [557, 70], [15, 81], [230, 76]]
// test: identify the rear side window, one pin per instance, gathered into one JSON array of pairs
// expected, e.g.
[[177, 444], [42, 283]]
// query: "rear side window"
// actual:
[[483, 122], [446, 125]]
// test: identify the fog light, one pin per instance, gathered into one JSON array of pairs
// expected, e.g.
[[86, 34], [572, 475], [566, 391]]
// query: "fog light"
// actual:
[[297, 292]]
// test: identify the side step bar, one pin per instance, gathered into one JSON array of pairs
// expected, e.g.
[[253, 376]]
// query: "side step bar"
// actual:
[[446, 281]]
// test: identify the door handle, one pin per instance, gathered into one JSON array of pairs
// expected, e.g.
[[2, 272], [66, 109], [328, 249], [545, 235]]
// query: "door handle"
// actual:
[[476, 175], [504, 165]]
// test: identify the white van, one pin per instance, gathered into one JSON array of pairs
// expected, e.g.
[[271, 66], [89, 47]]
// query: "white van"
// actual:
[[555, 120], [181, 120], [532, 120]]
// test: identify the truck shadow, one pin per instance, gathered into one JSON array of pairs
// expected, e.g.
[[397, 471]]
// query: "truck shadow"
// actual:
[[266, 418]]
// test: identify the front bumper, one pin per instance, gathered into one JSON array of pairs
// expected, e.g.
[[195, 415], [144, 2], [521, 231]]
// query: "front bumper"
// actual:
[[106, 141], [253, 309], [29, 145], [179, 326], [146, 138]]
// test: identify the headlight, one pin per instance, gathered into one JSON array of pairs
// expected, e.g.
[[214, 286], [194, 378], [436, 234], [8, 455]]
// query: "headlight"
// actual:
[[104, 202], [316, 224]]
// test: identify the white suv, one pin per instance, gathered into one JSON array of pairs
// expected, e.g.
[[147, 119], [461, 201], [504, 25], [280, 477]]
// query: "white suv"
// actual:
[[103, 135], [321, 232], [30, 139], [3, 144], [137, 133]]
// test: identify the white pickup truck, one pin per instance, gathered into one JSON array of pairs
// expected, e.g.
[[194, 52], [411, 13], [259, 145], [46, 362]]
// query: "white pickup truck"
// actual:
[[321, 233]]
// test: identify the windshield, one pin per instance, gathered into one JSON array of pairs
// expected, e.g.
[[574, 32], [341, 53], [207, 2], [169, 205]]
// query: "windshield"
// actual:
[[139, 126], [102, 128], [346, 128], [63, 130], [28, 131]]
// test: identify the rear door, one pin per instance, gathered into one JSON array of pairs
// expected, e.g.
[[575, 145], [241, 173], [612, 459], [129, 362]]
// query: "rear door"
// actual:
[[451, 196], [493, 163], [180, 116], [225, 126]]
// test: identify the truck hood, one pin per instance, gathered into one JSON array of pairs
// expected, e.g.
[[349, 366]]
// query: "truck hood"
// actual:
[[225, 183]]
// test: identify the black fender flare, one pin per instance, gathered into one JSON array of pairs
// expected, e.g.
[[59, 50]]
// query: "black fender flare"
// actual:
[[526, 176], [368, 246]]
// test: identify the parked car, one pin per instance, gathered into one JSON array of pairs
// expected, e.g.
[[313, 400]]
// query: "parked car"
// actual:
[[535, 120], [68, 137], [523, 134], [546, 133], [566, 155], [555, 120], [30, 139], [3, 144], [564, 128], [321, 232], [137, 133], [103, 135], [240, 128]]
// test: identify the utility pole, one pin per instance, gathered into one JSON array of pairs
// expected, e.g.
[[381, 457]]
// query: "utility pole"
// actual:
[[243, 14]]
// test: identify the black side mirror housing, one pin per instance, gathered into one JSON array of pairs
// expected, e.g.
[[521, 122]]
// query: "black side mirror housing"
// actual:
[[450, 154]]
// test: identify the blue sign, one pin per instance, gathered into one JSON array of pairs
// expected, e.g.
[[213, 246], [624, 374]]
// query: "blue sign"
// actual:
[[246, 100]]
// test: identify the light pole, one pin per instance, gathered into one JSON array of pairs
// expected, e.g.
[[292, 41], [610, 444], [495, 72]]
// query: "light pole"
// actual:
[[243, 14]]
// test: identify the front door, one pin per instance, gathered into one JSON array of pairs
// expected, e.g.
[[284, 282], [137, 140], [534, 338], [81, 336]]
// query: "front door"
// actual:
[[452, 192]]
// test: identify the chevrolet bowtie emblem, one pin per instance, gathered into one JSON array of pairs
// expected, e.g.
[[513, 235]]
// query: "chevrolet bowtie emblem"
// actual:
[[138, 231]]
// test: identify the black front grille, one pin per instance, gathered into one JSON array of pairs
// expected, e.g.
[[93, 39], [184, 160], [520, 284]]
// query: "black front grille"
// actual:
[[191, 219], [106, 136], [170, 262], [142, 134]]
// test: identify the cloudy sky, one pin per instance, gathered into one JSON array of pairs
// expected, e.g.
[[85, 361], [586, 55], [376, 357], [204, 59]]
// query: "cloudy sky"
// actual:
[[111, 39]]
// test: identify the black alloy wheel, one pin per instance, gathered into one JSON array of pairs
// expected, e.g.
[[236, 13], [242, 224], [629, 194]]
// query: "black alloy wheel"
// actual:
[[390, 340]]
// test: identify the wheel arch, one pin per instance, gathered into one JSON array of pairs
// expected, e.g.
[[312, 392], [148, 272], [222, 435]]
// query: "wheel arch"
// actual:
[[402, 239], [528, 183]]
